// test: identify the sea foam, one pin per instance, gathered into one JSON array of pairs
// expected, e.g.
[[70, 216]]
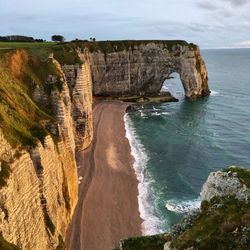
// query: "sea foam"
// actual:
[[151, 223], [183, 206], [214, 93]]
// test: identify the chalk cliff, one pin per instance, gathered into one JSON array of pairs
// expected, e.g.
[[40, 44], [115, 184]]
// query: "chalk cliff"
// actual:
[[142, 67], [39, 182]]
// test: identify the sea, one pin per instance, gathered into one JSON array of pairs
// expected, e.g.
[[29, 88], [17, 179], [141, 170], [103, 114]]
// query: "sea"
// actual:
[[176, 145]]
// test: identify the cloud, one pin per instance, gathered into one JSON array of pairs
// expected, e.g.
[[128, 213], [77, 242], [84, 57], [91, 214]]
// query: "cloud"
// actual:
[[237, 2], [243, 44], [246, 24], [222, 8], [207, 5], [220, 5]]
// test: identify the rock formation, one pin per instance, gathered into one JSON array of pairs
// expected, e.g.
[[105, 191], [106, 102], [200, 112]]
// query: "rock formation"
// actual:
[[38, 197], [224, 184], [142, 69]]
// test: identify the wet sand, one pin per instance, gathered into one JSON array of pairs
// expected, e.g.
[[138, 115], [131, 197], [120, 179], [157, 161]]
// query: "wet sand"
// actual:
[[107, 209]]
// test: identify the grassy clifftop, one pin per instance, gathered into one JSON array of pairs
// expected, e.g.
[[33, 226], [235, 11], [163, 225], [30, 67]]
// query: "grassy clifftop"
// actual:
[[66, 50], [116, 46]]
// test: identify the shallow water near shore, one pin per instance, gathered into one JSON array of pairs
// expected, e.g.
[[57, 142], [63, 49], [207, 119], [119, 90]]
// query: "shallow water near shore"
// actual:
[[176, 145]]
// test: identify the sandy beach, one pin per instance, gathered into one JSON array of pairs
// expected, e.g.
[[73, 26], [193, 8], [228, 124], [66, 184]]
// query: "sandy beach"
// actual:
[[107, 209]]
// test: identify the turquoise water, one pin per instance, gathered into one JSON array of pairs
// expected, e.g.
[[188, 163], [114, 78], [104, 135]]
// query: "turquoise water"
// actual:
[[178, 144]]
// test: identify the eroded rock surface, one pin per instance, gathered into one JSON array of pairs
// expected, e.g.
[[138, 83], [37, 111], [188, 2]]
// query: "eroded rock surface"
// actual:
[[224, 184], [41, 192], [143, 69]]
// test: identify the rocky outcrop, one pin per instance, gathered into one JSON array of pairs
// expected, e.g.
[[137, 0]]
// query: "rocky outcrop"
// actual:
[[224, 184], [142, 69]]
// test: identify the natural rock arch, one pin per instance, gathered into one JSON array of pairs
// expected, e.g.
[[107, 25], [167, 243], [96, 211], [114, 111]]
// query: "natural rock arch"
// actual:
[[142, 69]]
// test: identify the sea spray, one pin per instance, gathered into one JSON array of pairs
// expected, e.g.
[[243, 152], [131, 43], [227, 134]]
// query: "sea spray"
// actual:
[[214, 93], [183, 206], [151, 223]]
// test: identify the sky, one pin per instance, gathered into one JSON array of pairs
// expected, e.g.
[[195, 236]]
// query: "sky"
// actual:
[[209, 23]]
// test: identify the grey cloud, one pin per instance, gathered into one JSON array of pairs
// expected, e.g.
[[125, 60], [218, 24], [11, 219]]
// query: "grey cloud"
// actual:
[[237, 2], [207, 5], [217, 5]]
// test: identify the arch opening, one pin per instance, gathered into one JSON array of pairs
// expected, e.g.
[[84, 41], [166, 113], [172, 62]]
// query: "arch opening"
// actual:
[[173, 84]]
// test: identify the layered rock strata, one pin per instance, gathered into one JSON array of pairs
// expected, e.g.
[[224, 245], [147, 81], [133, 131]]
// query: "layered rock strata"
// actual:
[[142, 70], [41, 191], [78, 78]]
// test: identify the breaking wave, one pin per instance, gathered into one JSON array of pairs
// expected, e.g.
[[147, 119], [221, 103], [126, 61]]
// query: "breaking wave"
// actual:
[[183, 206], [151, 223]]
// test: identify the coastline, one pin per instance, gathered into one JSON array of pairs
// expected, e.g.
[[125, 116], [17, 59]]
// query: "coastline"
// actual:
[[151, 224], [108, 208]]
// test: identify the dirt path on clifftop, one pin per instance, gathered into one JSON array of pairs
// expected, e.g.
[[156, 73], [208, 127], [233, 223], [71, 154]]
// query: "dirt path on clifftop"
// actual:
[[107, 209]]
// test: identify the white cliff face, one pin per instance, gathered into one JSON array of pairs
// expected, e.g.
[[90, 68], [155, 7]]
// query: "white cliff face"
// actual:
[[223, 184], [42, 186], [143, 70], [80, 85], [38, 200]]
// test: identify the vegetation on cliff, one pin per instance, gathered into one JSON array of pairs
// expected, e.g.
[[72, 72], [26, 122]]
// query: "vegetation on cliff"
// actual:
[[116, 46], [155, 242], [23, 68], [21, 120], [221, 224], [4, 245], [4, 173], [242, 174], [66, 51]]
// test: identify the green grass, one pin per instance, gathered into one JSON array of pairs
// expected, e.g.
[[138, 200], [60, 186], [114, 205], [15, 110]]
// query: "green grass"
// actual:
[[65, 53], [242, 173], [61, 244], [155, 242], [4, 173], [115, 46], [5, 245], [15, 45], [219, 228], [21, 120]]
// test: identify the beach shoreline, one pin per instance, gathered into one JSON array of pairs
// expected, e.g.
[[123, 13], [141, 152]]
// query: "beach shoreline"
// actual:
[[107, 209]]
